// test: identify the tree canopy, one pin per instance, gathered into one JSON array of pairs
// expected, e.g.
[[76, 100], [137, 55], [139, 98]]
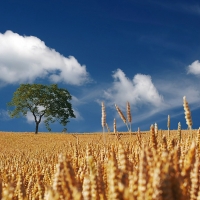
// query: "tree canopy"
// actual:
[[46, 101]]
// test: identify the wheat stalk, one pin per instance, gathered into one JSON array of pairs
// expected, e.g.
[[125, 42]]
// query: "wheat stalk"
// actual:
[[156, 129], [117, 135], [114, 126], [129, 117], [179, 131], [103, 118], [121, 115], [187, 114], [153, 137], [107, 127]]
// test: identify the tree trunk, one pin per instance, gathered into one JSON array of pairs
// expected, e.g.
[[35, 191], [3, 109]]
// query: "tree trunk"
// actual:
[[36, 128]]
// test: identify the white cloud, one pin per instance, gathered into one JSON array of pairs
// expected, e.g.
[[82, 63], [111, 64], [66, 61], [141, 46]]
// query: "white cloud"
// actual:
[[25, 58], [76, 102], [4, 116], [194, 68], [30, 118], [139, 91]]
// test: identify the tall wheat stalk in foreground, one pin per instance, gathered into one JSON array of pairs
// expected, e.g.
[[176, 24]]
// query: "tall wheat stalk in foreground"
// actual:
[[129, 117], [156, 129], [115, 130], [187, 113], [103, 118], [107, 127], [114, 126], [122, 116]]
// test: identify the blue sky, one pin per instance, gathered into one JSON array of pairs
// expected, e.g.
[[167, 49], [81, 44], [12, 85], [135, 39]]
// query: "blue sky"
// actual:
[[144, 52]]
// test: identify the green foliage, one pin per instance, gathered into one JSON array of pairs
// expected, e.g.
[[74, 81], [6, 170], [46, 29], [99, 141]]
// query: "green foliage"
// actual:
[[42, 100]]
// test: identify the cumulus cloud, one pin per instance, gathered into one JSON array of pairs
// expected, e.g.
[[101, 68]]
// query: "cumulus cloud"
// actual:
[[194, 68], [25, 58], [138, 91]]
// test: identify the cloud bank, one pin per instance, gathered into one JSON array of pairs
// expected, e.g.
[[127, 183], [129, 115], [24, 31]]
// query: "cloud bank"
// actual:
[[25, 58], [138, 91]]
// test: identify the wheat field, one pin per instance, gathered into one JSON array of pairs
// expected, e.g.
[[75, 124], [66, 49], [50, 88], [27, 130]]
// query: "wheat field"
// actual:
[[144, 165]]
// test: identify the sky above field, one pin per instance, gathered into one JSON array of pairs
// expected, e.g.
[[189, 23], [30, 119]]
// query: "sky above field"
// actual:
[[146, 52]]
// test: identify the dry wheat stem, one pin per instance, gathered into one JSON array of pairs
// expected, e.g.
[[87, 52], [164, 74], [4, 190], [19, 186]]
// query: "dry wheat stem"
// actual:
[[156, 129], [107, 127], [122, 116], [114, 126], [103, 119], [187, 113], [129, 117]]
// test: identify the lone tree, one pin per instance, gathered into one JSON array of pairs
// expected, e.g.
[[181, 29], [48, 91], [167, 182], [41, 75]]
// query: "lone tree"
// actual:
[[46, 101]]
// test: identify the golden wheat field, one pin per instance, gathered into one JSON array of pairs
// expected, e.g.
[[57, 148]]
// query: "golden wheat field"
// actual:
[[144, 165]]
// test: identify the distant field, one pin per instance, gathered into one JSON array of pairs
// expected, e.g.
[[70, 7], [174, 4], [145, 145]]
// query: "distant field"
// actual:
[[146, 165]]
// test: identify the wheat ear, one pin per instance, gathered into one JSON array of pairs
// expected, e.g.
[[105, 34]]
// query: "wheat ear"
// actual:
[[114, 126], [129, 117], [103, 117], [156, 129], [121, 115], [187, 113], [153, 137]]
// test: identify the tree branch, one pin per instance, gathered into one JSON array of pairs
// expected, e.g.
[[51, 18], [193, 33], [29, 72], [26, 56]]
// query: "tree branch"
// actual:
[[41, 117], [35, 117]]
